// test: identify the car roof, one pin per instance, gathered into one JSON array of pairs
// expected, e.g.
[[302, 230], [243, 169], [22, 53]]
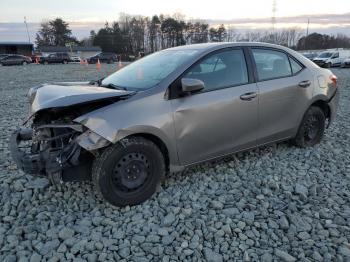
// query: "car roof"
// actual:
[[208, 47], [224, 44]]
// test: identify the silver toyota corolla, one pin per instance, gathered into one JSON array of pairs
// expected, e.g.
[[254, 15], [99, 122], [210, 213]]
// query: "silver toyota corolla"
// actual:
[[170, 110]]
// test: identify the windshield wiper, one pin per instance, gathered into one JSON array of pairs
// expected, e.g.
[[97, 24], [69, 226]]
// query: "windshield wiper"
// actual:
[[113, 86], [98, 82]]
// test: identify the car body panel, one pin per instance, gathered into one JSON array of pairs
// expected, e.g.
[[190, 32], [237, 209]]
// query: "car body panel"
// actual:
[[140, 114], [213, 123], [281, 102]]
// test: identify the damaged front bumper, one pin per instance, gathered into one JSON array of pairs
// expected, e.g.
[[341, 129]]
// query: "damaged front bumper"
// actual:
[[29, 163], [70, 162]]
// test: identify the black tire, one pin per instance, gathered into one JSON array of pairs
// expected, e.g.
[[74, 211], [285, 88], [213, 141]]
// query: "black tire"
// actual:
[[24, 63], [111, 170], [311, 129]]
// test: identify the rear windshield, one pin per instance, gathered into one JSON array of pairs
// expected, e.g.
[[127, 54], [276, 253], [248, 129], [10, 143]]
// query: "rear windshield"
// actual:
[[150, 70]]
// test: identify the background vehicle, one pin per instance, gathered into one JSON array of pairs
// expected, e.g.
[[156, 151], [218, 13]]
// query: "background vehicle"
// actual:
[[3, 55], [331, 58], [104, 57], [75, 59], [173, 109], [56, 58], [15, 60], [310, 56], [346, 62]]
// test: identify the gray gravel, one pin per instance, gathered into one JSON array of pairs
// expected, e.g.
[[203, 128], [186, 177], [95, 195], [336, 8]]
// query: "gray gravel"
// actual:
[[276, 203]]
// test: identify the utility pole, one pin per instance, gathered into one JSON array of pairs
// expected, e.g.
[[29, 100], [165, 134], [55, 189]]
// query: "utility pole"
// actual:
[[307, 32], [273, 19], [25, 22]]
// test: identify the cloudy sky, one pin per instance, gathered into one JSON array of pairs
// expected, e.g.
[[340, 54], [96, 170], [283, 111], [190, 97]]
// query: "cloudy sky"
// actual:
[[83, 15]]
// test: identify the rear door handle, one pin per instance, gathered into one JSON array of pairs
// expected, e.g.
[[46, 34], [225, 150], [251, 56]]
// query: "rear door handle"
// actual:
[[248, 96], [305, 83]]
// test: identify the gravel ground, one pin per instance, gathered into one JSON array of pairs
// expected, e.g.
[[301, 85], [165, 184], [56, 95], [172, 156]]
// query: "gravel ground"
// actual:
[[276, 203]]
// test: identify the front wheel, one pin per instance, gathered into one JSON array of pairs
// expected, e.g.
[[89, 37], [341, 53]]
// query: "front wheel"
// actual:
[[312, 128], [128, 172]]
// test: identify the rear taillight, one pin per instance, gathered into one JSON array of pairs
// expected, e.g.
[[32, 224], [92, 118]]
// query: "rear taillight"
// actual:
[[334, 79]]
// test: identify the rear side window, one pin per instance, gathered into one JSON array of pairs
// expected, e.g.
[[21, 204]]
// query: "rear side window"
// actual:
[[296, 67], [221, 70], [271, 64]]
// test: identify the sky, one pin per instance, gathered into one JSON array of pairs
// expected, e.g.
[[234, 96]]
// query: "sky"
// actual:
[[83, 15]]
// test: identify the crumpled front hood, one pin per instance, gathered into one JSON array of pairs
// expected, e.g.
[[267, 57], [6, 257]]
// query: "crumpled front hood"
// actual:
[[69, 93]]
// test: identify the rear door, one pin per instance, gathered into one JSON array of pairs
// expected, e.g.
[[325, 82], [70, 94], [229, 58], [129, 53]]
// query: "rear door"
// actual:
[[222, 118], [285, 89]]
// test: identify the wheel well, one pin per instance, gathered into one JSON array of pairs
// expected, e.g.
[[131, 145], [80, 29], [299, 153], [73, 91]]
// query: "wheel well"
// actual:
[[324, 106], [161, 145]]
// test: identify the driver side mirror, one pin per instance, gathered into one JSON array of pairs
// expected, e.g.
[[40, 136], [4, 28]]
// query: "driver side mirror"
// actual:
[[190, 85]]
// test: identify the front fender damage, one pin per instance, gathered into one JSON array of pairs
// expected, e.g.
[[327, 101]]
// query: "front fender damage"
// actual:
[[103, 128], [91, 141]]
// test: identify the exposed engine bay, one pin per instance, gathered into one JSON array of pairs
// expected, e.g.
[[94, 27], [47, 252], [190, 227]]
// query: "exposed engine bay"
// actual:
[[56, 147]]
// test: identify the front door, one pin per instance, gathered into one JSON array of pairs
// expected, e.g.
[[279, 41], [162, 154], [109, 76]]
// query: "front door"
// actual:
[[221, 118]]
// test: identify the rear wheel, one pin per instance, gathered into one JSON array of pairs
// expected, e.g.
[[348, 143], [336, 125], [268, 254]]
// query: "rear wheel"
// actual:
[[128, 172], [312, 128]]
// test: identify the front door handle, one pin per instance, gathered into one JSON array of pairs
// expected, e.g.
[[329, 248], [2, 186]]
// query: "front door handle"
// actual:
[[248, 96], [305, 83]]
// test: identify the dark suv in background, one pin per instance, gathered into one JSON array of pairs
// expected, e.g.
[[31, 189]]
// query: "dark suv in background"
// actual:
[[56, 58], [104, 57]]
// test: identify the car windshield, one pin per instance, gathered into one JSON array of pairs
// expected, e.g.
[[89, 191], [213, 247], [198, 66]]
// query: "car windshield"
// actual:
[[325, 55], [148, 71]]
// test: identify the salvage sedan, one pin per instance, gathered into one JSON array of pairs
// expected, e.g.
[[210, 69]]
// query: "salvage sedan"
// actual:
[[170, 110]]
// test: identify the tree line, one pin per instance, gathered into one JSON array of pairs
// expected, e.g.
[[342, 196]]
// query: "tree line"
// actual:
[[131, 35]]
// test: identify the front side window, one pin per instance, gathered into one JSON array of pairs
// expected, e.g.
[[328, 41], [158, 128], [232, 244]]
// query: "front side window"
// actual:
[[335, 55], [220, 70], [271, 64]]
